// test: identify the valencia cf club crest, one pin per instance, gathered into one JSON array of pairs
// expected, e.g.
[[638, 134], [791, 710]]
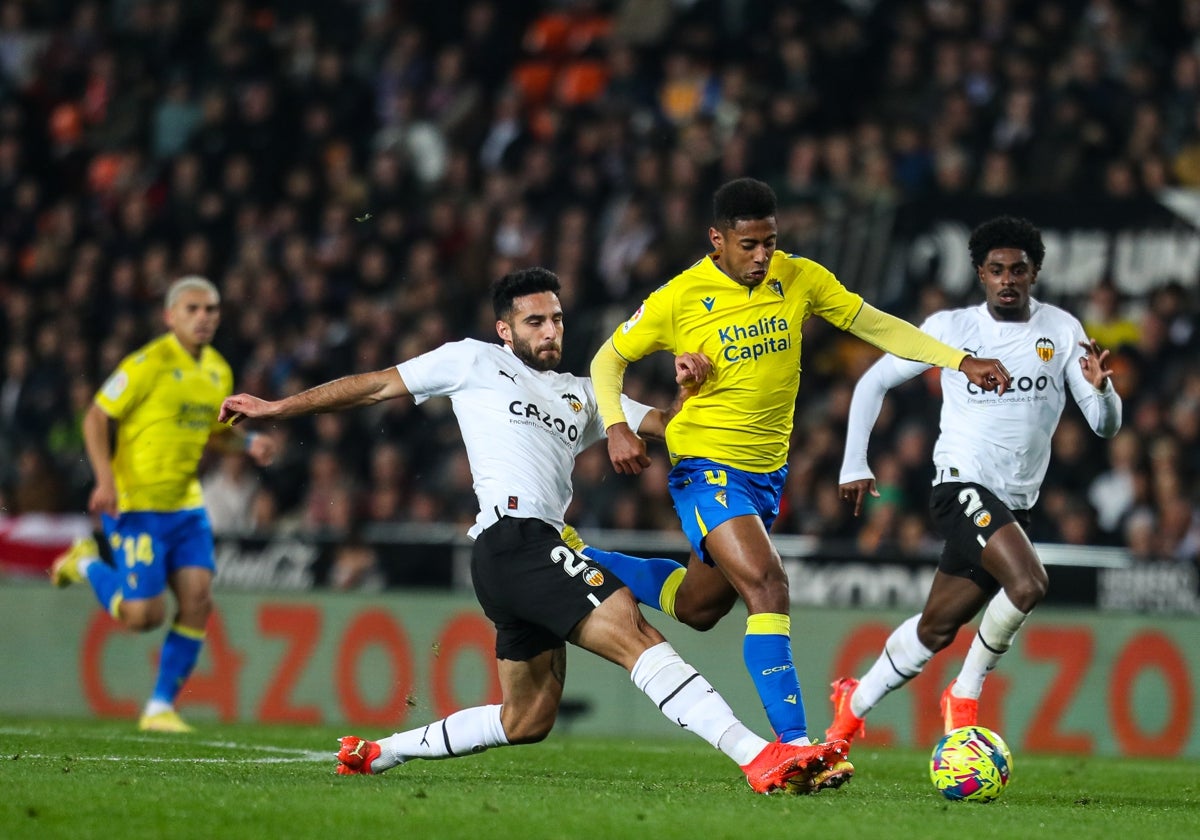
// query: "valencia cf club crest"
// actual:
[[593, 576], [1045, 349], [573, 401], [775, 286], [983, 518]]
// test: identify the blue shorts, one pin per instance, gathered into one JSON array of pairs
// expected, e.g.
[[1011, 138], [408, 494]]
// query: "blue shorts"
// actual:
[[707, 493], [148, 547]]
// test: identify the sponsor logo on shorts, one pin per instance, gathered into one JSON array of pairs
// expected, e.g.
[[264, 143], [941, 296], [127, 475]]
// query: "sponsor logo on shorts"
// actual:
[[593, 576], [983, 518]]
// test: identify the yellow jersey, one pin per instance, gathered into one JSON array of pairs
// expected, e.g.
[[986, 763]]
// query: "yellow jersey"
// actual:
[[743, 414], [165, 403]]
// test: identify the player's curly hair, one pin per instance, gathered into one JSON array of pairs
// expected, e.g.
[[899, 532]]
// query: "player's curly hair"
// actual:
[[741, 199], [515, 284], [1007, 232]]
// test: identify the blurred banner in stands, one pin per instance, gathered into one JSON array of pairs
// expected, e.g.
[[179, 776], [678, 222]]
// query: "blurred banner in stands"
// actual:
[[438, 556], [889, 252]]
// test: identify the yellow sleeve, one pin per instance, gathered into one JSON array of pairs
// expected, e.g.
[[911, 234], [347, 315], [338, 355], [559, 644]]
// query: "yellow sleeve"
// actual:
[[900, 338], [124, 387], [608, 377]]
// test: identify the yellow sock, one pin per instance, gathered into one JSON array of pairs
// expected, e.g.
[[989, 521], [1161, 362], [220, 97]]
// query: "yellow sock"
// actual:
[[666, 598]]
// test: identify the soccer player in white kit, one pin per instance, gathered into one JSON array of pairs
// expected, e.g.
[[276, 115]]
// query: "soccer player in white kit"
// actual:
[[522, 424], [989, 461]]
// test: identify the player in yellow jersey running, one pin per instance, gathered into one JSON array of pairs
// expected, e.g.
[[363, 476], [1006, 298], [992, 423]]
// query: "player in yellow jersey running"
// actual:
[[743, 307], [164, 400]]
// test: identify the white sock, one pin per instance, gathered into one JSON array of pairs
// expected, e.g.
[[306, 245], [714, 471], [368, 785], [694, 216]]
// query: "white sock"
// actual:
[[1000, 623], [902, 659], [687, 699], [157, 707], [466, 732]]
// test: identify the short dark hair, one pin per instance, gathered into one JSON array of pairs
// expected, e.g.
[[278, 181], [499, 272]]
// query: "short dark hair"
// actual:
[[515, 284], [1007, 232], [741, 199]]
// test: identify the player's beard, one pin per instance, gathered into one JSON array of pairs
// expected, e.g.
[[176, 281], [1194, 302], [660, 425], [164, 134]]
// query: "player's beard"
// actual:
[[524, 351]]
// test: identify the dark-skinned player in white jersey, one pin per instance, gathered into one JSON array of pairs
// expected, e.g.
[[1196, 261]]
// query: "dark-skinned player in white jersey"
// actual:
[[522, 424], [989, 462]]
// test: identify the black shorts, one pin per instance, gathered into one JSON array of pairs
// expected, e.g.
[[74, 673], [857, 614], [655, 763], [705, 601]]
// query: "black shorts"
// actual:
[[966, 515], [533, 587]]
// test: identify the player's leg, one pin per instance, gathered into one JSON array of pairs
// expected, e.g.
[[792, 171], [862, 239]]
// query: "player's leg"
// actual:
[[952, 601], [697, 594], [747, 558], [649, 578], [617, 631], [990, 548], [531, 692], [183, 542], [129, 589], [1010, 558]]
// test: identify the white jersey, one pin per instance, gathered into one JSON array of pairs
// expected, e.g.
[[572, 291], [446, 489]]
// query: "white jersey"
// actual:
[[1000, 442], [522, 428]]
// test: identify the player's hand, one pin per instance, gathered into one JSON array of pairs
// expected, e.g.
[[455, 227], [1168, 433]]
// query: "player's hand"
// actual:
[[988, 374], [103, 499], [691, 370], [626, 450], [1094, 364], [237, 408], [856, 491]]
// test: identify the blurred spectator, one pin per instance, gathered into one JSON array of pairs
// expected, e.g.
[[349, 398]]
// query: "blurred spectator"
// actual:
[[350, 175], [229, 491]]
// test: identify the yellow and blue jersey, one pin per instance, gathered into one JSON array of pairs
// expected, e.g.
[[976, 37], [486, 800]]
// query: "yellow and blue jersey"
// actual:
[[165, 403], [742, 416]]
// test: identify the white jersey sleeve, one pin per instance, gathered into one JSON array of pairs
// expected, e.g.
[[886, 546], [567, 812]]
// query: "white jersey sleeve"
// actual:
[[1101, 409], [865, 406]]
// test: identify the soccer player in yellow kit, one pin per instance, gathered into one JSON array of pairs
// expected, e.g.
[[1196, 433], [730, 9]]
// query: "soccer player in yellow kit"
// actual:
[[164, 400], [743, 307]]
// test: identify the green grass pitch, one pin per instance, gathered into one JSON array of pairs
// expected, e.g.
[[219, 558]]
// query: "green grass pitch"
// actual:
[[103, 779]]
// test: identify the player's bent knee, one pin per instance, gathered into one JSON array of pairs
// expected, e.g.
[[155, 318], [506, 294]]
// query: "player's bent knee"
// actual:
[[701, 620], [1028, 592], [936, 635], [141, 617]]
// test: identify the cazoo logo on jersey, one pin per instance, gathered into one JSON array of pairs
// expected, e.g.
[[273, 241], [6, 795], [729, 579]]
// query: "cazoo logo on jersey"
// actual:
[[1020, 384], [540, 416]]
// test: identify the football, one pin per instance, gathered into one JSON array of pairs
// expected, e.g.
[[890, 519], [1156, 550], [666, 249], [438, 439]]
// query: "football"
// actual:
[[971, 764]]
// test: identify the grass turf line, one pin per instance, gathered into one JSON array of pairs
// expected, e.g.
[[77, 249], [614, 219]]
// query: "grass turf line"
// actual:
[[102, 779]]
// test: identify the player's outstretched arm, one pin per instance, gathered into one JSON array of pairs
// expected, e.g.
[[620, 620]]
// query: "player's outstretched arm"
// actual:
[[1094, 392], [691, 371], [347, 392], [626, 450]]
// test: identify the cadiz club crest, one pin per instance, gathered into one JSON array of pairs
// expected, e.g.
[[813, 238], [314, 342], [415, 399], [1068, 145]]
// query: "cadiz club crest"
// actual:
[[1045, 349]]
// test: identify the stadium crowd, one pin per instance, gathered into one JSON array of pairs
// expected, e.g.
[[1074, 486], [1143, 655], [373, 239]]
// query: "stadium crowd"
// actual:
[[352, 174]]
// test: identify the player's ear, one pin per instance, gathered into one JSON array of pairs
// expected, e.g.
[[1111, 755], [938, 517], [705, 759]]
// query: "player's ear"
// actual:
[[504, 331], [714, 236]]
